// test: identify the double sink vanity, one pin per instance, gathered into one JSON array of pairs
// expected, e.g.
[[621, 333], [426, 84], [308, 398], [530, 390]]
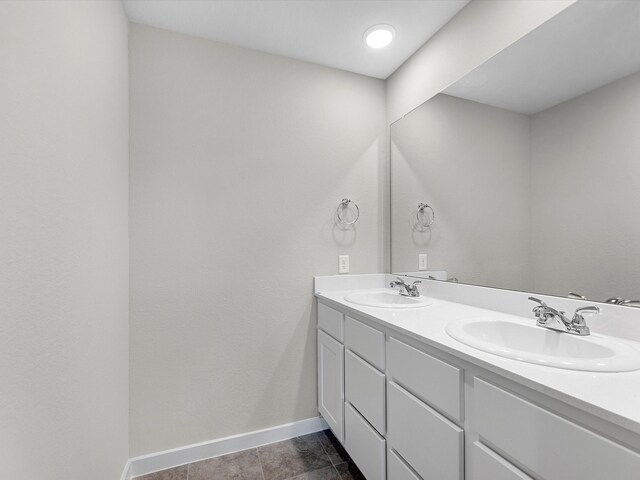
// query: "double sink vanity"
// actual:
[[514, 188], [435, 387]]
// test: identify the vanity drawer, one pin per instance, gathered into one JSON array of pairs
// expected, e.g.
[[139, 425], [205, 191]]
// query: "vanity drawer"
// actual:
[[430, 443], [487, 465], [364, 388], [331, 321], [544, 443], [365, 446], [435, 382], [397, 469], [365, 341]]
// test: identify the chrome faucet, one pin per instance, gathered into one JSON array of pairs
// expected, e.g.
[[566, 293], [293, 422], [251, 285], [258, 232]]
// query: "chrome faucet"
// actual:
[[622, 301], [630, 303], [553, 319], [409, 290]]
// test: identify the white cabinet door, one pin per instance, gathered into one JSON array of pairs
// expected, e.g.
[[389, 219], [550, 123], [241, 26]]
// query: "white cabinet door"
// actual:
[[331, 383]]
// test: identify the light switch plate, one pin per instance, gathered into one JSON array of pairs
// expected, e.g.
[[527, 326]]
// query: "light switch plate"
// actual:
[[422, 261], [343, 263]]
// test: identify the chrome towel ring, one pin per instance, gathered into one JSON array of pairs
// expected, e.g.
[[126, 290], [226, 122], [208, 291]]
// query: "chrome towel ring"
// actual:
[[340, 211], [420, 215]]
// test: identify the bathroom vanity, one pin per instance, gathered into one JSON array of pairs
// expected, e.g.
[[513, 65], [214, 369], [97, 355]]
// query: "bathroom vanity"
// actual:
[[409, 402]]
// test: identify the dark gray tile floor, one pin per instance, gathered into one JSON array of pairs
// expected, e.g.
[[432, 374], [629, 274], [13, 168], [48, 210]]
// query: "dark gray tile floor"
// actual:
[[318, 456]]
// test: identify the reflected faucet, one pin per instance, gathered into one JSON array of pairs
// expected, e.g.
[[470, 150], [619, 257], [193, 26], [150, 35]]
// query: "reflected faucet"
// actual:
[[622, 301]]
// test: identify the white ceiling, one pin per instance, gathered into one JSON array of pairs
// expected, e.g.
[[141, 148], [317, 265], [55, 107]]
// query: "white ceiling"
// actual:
[[588, 45], [327, 32]]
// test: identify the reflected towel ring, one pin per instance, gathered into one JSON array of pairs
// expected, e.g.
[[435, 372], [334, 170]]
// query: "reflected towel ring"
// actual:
[[344, 204], [420, 213]]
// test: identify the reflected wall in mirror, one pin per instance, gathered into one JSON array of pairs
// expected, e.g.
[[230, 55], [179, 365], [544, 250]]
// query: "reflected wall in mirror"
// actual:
[[531, 163]]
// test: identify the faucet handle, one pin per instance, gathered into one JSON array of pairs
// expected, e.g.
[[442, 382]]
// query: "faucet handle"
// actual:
[[592, 309], [538, 301], [578, 316], [576, 295], [578, 324], [541, 311]]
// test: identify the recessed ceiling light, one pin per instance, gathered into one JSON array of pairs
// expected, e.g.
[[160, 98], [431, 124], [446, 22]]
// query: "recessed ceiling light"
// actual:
[[379, 36]]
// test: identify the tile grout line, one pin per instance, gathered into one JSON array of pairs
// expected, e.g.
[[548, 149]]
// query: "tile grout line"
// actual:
[[316, 434], [333, 465], [260, 462], [330, 459], [336, 469], [325, 451]]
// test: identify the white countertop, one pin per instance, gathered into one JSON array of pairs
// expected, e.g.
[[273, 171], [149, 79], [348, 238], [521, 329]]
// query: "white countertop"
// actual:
[[614, 397]]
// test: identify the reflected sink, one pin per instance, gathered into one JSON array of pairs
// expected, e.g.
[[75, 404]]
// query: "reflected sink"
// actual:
[[533, 344], [387, 299]]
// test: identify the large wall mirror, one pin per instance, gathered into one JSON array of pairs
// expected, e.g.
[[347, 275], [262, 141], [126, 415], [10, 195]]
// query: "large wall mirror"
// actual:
[[531, 164]]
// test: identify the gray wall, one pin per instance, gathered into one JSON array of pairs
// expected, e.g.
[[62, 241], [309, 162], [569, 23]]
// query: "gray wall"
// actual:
[[63, 241], [470, 162], [585, 171], [238, 161]]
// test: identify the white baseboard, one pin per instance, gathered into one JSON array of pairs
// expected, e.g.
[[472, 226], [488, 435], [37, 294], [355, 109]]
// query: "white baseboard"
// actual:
[[214, 448], [125, 473]]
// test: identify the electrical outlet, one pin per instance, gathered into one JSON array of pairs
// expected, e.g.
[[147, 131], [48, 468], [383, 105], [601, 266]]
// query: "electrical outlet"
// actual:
[[343, 264], [422, 261]]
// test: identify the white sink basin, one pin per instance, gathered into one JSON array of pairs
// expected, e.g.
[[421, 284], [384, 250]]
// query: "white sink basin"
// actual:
[[533, 344], [387, 299]]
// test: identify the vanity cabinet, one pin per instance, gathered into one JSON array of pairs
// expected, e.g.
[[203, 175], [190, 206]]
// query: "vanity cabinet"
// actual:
[[405, 410], [331, 373], [351, 387]]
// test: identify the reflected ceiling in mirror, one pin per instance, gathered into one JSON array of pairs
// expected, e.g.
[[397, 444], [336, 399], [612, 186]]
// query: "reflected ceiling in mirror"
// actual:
[[531, 164]]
